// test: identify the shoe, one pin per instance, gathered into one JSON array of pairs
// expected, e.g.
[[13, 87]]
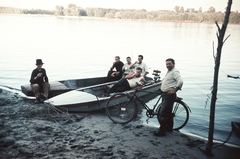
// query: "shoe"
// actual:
[[159, 133], [37, 101], [43, 98], [168, 129]]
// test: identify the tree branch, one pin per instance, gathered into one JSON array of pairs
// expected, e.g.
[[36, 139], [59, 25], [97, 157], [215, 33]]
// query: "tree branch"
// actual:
[[217, 26], [226, 38]]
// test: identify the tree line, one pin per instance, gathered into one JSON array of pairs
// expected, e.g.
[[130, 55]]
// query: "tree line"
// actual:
[[178, 15]]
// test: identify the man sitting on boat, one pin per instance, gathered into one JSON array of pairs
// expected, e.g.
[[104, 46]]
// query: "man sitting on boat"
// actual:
[[39, 82], [115, 75], [128, 82], [143, 66], [127, 67]]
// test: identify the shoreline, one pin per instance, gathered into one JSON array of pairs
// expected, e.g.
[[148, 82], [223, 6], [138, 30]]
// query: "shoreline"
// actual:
[[40, 131], [104, 18]]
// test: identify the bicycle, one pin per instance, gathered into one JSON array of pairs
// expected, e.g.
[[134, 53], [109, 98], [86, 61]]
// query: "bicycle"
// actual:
[[122, 108]]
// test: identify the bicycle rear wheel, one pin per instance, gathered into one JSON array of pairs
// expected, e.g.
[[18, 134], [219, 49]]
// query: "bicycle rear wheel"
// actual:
[[180, 114], [121, 108]]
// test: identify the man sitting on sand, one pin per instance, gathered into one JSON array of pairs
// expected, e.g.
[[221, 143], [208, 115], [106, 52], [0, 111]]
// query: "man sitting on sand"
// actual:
[[39, 82], [130, 81]]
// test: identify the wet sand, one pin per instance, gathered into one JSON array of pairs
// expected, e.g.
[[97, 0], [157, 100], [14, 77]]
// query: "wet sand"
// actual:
[[42, 132]]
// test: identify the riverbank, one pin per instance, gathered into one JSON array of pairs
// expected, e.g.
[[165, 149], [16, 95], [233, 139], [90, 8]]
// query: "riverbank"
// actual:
[[40, 131]]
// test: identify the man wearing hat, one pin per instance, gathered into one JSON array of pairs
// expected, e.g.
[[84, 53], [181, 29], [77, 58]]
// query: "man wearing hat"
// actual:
[[39, 82]]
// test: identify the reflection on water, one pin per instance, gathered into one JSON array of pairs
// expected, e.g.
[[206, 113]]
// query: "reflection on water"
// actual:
[[81, 47]]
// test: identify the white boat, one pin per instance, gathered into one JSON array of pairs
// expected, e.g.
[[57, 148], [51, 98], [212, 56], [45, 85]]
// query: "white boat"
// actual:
[[91, 98]]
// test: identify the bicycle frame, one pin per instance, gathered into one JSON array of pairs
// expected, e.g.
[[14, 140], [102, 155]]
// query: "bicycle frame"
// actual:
[[123, 110], [151, 112]]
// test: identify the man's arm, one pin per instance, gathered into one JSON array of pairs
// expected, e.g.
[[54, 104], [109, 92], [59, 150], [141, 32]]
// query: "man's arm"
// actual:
[[179, 84], [145, 74], [113, 65], [146, 70], [33, 77], [131, 66], [130, 75], [46, 77]]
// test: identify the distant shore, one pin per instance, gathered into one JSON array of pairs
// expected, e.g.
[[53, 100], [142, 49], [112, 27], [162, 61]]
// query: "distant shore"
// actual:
[[180, 14], [101, 18]]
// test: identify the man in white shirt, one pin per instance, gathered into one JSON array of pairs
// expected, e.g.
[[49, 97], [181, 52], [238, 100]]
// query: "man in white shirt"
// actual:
[[170, 85], [142, 65], [126, 67]]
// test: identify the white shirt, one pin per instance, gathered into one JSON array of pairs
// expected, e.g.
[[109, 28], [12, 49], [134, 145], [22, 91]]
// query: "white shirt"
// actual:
[[143, 66], [172, 80], [133, 81], [127, 69]]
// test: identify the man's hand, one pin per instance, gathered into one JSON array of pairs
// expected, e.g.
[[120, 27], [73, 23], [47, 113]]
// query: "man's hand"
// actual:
[[39, 75], [114, 74], [173, 91]]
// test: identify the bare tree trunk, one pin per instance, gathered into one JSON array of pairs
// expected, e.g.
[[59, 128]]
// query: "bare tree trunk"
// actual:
[[215, 80]]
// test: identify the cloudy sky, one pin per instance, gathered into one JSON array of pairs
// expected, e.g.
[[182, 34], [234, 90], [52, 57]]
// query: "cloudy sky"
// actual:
[[149, 5]]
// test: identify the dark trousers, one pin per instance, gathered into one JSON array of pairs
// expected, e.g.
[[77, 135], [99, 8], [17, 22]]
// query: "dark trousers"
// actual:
[[121, 86], [40, 88], [115, 78], [166, 117]]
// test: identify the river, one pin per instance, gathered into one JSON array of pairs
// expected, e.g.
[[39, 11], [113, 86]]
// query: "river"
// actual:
[[73, 48]]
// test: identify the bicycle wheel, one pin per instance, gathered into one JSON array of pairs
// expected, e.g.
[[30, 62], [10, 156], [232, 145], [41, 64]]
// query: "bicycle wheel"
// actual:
[[180, 114], [121, 108]]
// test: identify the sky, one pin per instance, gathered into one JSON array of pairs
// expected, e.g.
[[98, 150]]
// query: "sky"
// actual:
[[149, 5]]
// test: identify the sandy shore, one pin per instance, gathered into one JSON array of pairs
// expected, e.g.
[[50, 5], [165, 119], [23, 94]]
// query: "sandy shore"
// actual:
[[39, 131]]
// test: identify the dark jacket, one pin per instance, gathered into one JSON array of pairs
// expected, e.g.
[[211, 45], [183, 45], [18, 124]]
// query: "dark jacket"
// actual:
[[41, 79], [119, 66]]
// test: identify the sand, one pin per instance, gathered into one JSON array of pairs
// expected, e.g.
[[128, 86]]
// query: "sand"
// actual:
[[40, 131]]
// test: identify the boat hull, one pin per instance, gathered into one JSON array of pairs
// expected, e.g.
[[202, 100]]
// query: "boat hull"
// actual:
[[87, 100]]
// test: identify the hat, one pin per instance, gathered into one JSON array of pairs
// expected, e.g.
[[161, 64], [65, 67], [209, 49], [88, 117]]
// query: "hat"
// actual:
[[39, 62]]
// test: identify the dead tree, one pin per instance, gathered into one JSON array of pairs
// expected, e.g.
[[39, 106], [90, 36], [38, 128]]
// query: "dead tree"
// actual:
[[220, 37]]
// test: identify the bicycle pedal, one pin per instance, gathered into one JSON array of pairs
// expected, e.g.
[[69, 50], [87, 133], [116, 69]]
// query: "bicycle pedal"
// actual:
[[147, 120]]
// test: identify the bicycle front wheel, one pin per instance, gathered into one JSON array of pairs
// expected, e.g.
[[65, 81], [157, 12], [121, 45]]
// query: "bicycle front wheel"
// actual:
[[121, 108]]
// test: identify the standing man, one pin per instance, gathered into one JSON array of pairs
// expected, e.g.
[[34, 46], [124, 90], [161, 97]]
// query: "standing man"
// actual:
[[126, 67], [115, 75], [39, 82], [170, 85], [142, 65]]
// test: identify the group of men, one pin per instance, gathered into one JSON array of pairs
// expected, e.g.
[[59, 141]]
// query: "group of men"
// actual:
[[127, 76], [121, 70]]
